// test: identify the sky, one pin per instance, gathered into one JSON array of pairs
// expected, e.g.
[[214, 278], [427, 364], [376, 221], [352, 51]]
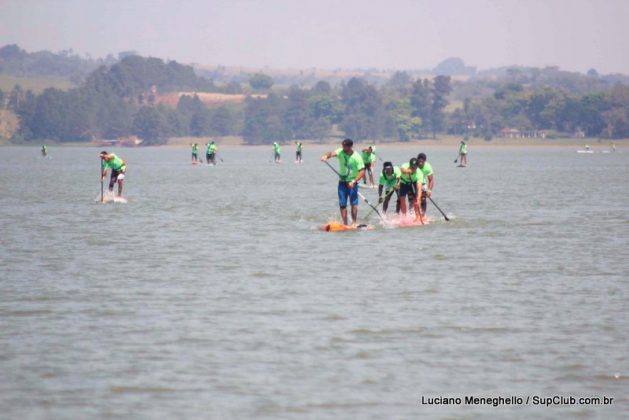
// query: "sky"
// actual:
[[575, 35]]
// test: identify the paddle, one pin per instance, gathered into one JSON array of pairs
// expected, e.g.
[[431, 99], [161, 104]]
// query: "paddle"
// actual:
[[102, 185], [359, 194], [385, 198], [441, 211], [457, 159]]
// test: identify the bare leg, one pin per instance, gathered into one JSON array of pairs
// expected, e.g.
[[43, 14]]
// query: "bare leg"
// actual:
[[344, 215], [120, 187], [403, 205], [354, 214]]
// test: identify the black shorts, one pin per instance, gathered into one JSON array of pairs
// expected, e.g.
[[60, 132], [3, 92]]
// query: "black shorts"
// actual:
[[114, 177], [407, 189], [368, 166]]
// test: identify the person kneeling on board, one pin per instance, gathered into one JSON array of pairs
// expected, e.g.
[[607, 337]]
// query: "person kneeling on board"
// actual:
[[410, 185], [351, 170], [118, 170], [390, 182]]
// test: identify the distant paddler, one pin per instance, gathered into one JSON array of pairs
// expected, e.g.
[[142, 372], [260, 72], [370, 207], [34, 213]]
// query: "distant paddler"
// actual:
[[389, 183], [613, 147], [463, 153], [428, 183], [351, 170], [195, 150], [411, 181], [210, 153], [118, 170], [44, 150], [298, 158], [369, 158], [277, 157]]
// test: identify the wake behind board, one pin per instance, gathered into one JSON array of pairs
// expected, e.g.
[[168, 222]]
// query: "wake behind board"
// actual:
[[339, 227], [395, 223]]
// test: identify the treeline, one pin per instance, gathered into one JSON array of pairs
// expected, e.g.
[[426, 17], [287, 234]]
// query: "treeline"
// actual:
[[553, 111], [112, 102], [123, 100]]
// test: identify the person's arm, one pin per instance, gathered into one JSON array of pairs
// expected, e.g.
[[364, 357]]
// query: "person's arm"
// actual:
[[431, 184], [328, 155], [406, 170], [360, 176], [380, 192]]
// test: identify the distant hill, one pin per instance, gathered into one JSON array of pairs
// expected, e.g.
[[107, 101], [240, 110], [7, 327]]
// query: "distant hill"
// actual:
[[453, 66], [15, 61]]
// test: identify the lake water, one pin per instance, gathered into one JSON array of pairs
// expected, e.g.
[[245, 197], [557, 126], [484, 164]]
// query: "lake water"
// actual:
[[212, 293]]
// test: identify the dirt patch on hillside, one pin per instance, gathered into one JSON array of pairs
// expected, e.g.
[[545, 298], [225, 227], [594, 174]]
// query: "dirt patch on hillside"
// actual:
[[208, 99]]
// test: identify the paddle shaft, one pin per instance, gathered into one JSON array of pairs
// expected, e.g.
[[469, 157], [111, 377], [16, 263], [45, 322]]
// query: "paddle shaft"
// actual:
[[102, 185], [441, 211], [385, 198]]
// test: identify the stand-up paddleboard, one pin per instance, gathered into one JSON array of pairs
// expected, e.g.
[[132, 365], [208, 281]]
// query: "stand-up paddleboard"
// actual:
[[112, 199], [586, 151], [340, 227]]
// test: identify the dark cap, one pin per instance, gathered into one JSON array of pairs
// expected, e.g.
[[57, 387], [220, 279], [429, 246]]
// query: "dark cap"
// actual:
[[421, 156], [386, 165], [347, 142], [413, 162], [104, 152]]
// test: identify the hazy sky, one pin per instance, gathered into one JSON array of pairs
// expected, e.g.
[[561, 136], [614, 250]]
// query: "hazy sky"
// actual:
[[403, 34]]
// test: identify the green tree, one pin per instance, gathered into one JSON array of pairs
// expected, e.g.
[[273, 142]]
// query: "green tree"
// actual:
[[260, 81], [420, 101], [441, 90], [364, 113], [149, 124]]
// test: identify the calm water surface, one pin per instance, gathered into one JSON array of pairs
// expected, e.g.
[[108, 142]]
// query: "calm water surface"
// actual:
[[212, 294]]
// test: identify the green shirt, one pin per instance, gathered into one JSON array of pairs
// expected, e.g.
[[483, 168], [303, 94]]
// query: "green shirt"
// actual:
[[299, 147], [115, 163], [426, 170], [463, 149], [349, 166], [390, 181], [195, 148], [368, 157], [418, 176], [211, 149]]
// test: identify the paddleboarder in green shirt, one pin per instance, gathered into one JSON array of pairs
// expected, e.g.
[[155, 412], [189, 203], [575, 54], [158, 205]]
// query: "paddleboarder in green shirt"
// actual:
[[195, 149], [118, 170], [210, 153], [369, 157], [277, 157], [389, 183], [463, 153], [429, 180], [298, 158], [411, 181], [44, 150], [351, 170]]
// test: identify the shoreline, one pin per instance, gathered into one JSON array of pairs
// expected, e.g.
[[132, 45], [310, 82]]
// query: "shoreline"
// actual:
[[440, 143]]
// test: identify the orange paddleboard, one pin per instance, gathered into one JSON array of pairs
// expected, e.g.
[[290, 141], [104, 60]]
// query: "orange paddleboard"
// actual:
[[339, 227]]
